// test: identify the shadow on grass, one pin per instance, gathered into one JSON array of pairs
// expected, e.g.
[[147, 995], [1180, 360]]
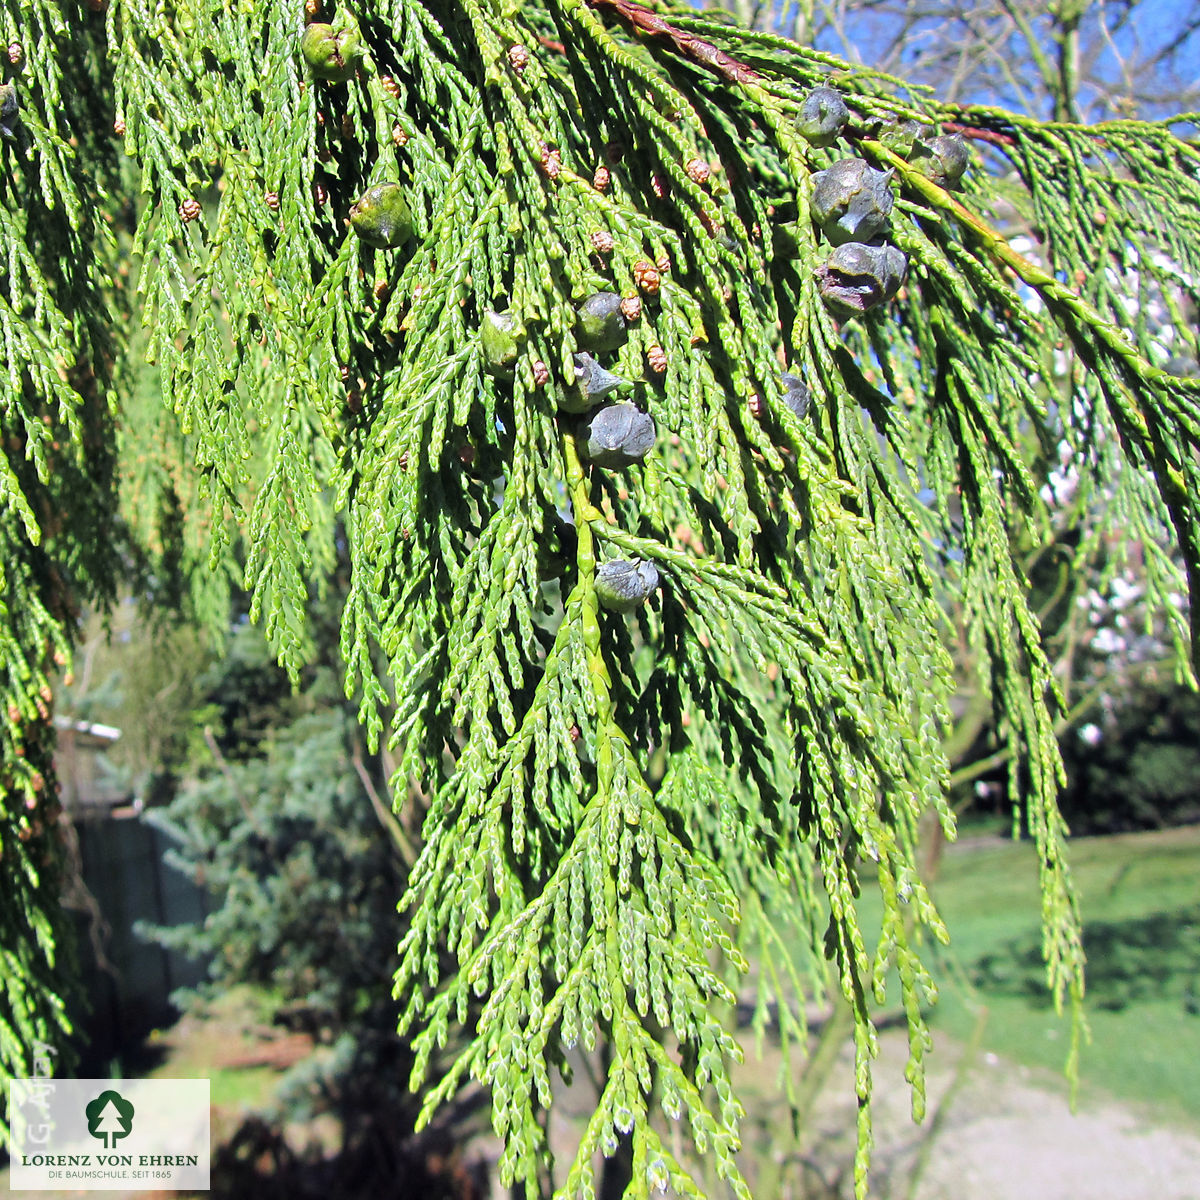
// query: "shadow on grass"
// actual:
[[343, 1127], [1155, 957], [258, 1161]]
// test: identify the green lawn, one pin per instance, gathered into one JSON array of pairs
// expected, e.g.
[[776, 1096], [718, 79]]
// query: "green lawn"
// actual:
[[1140, 897], [208, 1047]]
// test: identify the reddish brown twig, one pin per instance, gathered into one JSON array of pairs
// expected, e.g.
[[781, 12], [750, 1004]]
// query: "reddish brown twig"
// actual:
[[552, 45], [979, 135], [686, 43]]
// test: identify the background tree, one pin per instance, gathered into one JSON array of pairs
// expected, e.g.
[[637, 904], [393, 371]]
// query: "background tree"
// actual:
[[663, 708], [284, 830], [1075, 60]]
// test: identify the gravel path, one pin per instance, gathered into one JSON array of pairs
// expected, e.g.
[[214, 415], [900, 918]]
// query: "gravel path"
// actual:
[[1009, 1134]]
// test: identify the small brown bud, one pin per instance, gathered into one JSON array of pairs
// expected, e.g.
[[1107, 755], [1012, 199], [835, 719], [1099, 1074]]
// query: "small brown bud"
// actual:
[[698, 170], [37, 781], [312, 7], [656, 356], [541, 373], [390, 86], [1100, 217], [658, 184], [344, 372], [755, 404], [602, 241], [354, 401], [601, 179], [14, 713], [551, 162], [189, 210], [710, 226], [466, 454], [320, 193], [631, 308], [663, 262], [402, 461], [380, 289], [399, 137], [646, 276], [573, 733], [271, 199], [119, 127], [59, 658], [45, 693], [15, 53], [518, 56]]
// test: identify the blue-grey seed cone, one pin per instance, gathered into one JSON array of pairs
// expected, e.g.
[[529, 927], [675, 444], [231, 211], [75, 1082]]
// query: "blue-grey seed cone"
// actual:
[[593, 384], [797, 397], [601, 323], [621, 585], [617, 435]]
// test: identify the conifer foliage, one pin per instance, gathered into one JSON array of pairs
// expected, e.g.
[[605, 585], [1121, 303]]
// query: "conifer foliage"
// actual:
[[670, 680], [59, 545]]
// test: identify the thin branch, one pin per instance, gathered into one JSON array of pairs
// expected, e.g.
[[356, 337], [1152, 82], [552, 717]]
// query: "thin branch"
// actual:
[[223, 765], [687, 44], [983, 765], [387, 818], [979, 135]]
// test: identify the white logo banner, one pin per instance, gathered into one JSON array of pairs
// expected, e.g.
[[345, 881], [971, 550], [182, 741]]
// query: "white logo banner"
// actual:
[[109, 1134]]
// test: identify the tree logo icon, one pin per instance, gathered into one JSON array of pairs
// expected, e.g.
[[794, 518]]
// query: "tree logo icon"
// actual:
[[109, 1117]]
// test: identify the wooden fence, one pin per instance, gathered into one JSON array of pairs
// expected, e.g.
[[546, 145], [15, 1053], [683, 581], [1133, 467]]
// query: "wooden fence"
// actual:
[[127, 979]]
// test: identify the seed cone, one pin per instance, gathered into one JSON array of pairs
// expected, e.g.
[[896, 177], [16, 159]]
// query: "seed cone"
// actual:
[[944, 159], [618, 435], [622, 585], [330, 53], [594, 383], [823, 115], [858, 277], [851, 201], [797, 397], [501, 340], [601, 324], [381, 216]]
